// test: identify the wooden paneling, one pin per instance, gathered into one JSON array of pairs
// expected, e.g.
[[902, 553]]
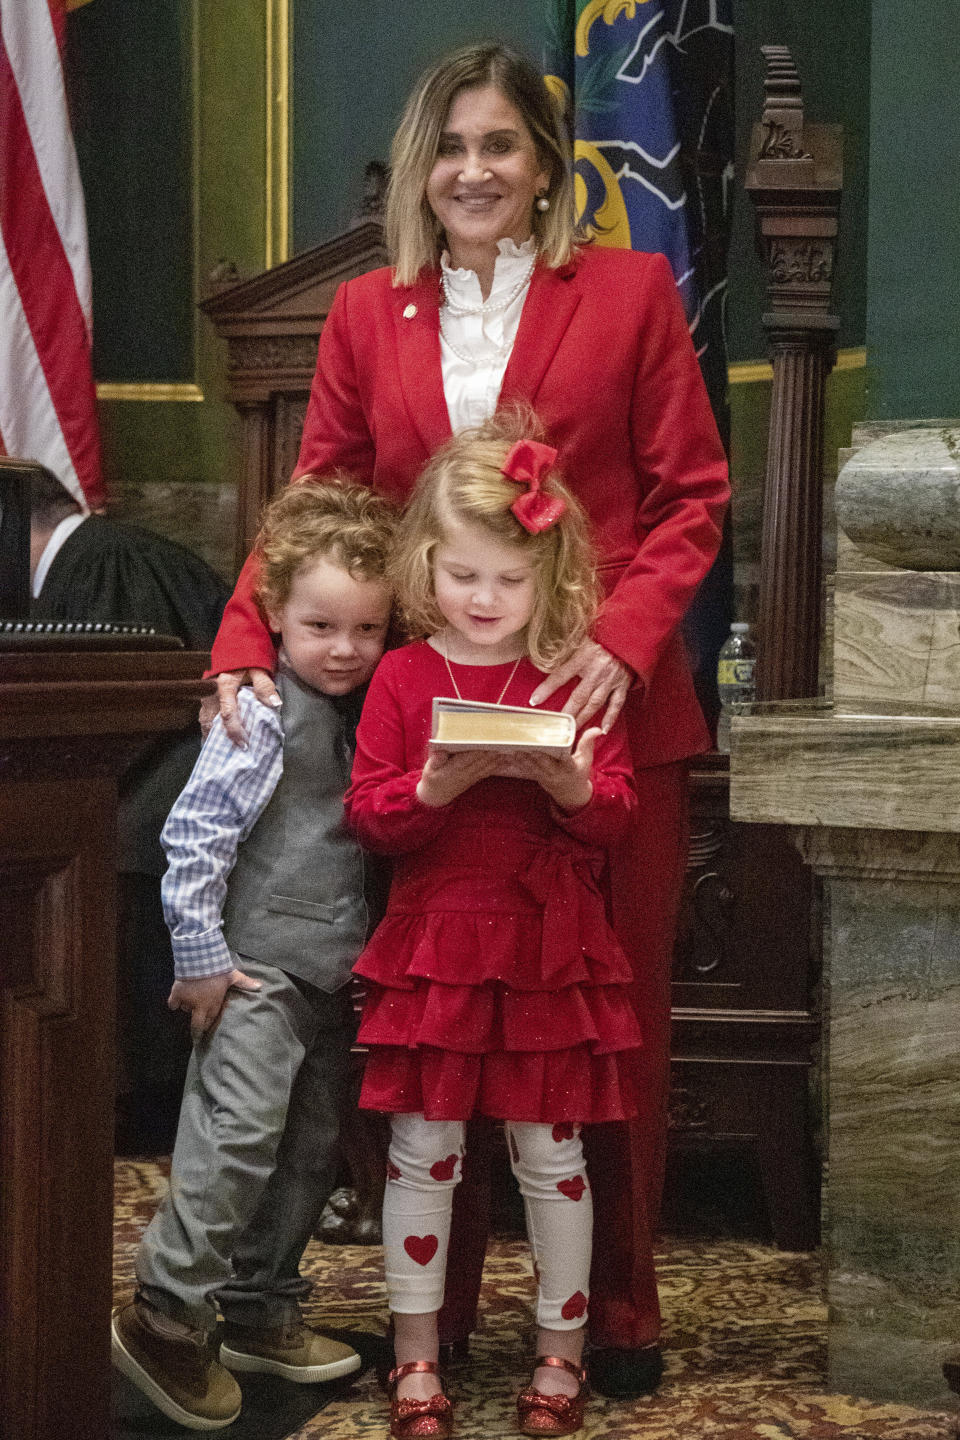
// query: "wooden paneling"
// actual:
[[745, 1018], [69, 725]]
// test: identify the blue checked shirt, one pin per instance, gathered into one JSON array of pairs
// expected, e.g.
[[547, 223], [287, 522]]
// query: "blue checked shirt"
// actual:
[[219, 806]]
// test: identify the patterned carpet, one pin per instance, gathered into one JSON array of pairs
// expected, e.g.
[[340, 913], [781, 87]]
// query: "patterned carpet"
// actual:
[[745, 1350]]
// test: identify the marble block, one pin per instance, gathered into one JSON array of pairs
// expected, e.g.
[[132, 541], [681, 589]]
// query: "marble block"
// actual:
[[892, 1228], [816, 764], [898, 499], [897, 636]]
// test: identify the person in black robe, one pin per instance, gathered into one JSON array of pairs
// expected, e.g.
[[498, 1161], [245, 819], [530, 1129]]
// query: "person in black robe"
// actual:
[[104, 571]]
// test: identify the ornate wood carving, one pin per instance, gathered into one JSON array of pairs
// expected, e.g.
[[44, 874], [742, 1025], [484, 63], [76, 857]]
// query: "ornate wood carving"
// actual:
[[272, 352], [745, 1024], [795, 181], [373, 201], [782, 122], [271, 324], [68, 725]]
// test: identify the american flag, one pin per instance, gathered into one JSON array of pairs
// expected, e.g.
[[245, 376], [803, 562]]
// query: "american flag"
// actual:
[[47, 397]]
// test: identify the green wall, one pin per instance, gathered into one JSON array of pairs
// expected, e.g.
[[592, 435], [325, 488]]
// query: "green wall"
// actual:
[[129, 72], [913, 269], [168, 110]]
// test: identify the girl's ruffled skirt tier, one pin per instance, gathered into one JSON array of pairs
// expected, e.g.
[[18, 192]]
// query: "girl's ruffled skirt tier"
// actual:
[[521, 1014]]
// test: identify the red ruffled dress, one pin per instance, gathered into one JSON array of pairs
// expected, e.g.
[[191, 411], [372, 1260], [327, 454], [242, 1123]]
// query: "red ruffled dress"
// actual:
[[494, 984]]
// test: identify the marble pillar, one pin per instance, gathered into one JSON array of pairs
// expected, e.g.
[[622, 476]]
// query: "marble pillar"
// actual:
[[871, 781], [892, 1222]]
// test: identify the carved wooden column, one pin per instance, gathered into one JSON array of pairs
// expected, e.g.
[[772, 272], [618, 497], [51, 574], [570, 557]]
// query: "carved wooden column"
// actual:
[[795, 181]]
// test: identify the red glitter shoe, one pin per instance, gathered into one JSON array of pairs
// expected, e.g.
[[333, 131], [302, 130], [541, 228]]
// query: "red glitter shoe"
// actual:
[[539, 1414], [412, 1418]]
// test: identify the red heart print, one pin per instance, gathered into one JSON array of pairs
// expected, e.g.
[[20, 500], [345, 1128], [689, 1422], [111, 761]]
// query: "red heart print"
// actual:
[[422, 1248], [576, 1306], [443, 1169], [573, 1189], [392, 1172], [563, 1131]]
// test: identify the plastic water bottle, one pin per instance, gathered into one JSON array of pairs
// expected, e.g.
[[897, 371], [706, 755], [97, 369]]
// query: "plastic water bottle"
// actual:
[[735, 682]]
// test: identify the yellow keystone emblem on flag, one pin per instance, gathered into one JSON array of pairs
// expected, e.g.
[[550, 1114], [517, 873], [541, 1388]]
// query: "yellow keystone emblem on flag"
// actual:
[[609, 10]]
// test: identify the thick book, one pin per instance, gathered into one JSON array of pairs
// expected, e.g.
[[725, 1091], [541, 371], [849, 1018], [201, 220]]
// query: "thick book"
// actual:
[[473, 725]]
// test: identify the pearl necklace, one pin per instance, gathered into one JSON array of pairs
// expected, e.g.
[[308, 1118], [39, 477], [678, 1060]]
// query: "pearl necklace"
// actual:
[[453, 678], [499, 352], [488, 306]]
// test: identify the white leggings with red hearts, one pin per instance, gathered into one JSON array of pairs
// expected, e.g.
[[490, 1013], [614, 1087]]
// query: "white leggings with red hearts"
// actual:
[[422, 1169]]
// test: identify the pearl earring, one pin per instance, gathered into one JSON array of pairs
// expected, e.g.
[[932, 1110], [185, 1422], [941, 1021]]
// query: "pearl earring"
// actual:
[[542, 203]]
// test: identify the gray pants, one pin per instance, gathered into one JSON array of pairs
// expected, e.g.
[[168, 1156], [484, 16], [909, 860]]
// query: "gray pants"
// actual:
[[254, 1160]]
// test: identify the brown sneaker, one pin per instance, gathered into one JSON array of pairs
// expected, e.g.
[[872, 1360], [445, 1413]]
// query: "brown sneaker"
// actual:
[[174, 1366], [294, 1351]]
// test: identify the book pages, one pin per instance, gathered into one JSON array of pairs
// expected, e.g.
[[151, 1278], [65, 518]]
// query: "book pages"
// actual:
[[465, 724]]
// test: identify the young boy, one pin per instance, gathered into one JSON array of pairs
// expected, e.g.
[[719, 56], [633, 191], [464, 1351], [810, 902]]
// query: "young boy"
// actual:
[[262, 962]]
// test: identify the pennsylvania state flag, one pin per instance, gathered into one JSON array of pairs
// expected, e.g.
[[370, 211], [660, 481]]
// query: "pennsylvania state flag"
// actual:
[[649, 89]]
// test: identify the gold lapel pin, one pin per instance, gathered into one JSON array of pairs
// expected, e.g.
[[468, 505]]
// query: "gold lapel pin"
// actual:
[[409, 312]]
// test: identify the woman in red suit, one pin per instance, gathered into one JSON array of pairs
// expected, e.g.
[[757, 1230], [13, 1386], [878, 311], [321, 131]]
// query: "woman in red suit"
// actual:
[[492, 300]]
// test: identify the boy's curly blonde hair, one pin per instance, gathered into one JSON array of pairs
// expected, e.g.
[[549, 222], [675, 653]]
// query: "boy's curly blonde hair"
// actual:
[[465, 480], [323, 517]]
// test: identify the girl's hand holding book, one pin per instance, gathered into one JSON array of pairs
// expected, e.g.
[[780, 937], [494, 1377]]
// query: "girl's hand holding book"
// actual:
[[447, 774], [566, 778]]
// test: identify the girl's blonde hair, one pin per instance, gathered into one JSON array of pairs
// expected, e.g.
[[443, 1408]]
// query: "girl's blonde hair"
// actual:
[[464, 480], [323, 517], [414, 235]]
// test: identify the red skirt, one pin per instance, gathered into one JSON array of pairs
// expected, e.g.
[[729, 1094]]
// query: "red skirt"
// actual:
[[499, 991]]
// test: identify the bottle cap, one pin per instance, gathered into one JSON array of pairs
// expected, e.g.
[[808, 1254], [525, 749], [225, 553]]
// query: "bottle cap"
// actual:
[[739, 627]]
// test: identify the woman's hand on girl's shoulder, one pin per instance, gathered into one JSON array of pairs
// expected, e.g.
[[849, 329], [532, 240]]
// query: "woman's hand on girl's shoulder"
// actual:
[[224, 703], [566, 778], [604, 682]]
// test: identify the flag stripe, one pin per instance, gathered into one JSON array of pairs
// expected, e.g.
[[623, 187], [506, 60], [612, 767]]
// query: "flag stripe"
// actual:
[[49, 401], [32, 45], [29, 427]]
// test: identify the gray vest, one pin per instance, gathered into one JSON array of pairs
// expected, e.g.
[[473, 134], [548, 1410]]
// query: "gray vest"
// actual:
[[295, 895]]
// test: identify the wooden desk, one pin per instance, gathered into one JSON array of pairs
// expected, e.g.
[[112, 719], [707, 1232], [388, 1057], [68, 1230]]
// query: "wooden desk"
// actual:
[[70, 723]]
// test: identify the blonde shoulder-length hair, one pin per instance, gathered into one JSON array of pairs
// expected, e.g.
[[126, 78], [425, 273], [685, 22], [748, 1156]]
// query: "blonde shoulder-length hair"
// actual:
[[414, 236], [464, 481]]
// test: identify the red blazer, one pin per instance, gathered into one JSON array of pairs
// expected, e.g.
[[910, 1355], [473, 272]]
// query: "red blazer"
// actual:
[[604, 356]]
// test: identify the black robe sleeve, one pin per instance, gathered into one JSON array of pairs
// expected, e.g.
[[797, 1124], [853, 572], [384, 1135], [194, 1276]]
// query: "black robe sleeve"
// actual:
[[105, 572], [119, 573]]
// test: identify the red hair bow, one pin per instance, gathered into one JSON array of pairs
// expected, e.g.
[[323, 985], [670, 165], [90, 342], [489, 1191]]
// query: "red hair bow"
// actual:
[[527, 461]]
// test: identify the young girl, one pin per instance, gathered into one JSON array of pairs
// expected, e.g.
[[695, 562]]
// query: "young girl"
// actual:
[[494, 983]]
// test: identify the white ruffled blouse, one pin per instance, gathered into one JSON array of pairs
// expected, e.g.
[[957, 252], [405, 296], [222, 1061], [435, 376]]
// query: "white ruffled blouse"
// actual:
[[472, 389]]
